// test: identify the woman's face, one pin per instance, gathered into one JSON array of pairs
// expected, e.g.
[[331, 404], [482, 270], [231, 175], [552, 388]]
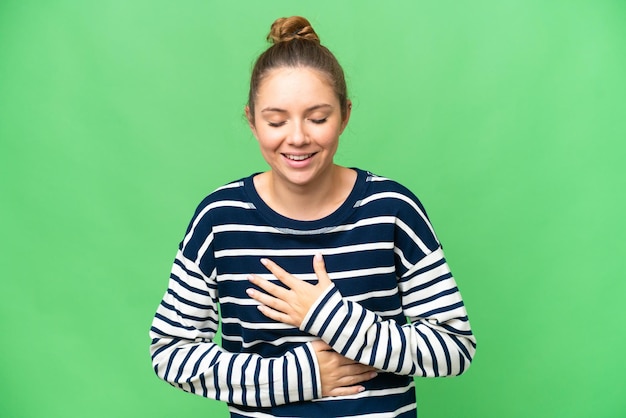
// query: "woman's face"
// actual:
[[297, 123]]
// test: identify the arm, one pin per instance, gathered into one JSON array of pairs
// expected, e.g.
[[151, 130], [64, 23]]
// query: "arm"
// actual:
[[437, 342], [184, 354]]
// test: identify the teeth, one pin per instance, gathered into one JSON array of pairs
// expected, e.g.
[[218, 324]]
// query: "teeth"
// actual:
[[298, 157]]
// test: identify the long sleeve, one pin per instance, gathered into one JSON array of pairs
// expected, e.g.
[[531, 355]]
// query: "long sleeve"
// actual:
[[437, 342], [184, 354]]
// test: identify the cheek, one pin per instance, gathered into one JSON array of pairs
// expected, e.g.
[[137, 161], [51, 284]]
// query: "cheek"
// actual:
[[330, 136], [267, 139]]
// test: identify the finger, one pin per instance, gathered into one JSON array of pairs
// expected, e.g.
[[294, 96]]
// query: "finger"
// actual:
[[282, 275], [356, 379], [345, 391], [268, 300], [269, 287], [320, 270], [277, 315]]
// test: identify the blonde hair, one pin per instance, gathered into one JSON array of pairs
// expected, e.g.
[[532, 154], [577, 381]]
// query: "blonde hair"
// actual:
[[295, 44]]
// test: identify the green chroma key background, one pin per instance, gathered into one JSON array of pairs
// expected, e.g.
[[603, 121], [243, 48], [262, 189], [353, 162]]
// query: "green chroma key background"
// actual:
[[506, 118]]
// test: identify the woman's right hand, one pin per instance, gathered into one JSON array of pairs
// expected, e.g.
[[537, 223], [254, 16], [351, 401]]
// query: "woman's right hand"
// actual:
[[340, 375]]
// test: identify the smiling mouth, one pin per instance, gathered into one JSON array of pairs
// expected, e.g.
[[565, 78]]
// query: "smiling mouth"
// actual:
[[298, 157]]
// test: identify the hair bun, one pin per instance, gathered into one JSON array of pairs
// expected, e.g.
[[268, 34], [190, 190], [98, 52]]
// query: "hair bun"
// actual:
[[285, 29]]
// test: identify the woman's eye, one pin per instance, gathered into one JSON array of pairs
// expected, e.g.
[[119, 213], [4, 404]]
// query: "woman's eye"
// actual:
[[319, 121], [275, 124]]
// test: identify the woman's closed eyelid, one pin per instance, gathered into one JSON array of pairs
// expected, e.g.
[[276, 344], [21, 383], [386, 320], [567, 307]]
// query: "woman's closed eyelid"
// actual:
[[281, 123]]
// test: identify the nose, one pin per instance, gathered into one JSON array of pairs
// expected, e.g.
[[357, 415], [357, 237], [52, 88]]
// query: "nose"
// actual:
[[298, 135]]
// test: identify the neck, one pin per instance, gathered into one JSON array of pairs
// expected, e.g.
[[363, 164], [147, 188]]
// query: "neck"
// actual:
[[306, 202]]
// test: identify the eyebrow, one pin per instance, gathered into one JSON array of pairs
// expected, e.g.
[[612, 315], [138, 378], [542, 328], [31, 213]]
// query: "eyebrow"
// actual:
[[310, 109]]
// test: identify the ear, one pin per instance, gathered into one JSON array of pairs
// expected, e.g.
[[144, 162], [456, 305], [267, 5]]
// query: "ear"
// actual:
[[250, 119], [344, 123]]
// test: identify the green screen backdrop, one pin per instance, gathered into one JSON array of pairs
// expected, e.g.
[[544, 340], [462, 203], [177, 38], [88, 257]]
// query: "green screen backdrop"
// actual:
[[506, 118]]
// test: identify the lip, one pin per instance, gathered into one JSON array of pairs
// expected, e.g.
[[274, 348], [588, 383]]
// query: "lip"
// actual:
[[298, 160]]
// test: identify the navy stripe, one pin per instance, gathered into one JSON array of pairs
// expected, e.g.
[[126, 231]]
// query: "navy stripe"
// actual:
[[431, 351], [216, 380], [189, 287], [441, 294], [190, 273], [188, 302], [375, 344], [173, 323], [257, 374], [443, 309], [309, 357], [460, 346], [229, 383], [169, 365], [402, 350], [205, 391], [356, 330], [163, 347], [243, 380], [271, 383], [187, 316], [285, 381], [300, 380], [446, 352], [329, 319], [196, 366], [429, 283], [184, 362], [420, 362], [341, 326], [320, 306], [461, 363]]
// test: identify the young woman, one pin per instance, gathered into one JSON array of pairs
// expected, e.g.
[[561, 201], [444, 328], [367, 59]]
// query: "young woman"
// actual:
[[330, 284]]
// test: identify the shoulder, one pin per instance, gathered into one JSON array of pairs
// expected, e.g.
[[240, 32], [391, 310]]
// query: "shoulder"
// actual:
[[217, 205], [389, 191], [229, 194], [214, 209], [389, 197]]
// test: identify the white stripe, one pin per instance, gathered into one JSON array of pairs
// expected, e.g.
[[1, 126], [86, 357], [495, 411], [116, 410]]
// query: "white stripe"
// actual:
[[288, 339], [409, 231], [403, 259], [297, 252], [232, 185], [255, 326], [205, 245], [311, 277], [377, 220], [377, 294]]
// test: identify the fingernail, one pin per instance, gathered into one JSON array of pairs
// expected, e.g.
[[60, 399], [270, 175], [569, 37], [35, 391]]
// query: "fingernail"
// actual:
[[250, 292], [373, 375], [361, 389], [250, 277], [318, 257], [264, 261]]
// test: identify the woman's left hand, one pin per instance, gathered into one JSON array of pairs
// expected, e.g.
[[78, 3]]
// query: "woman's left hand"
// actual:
[[290, 305]]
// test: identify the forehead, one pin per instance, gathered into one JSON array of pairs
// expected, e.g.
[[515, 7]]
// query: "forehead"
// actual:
[[292, 85]]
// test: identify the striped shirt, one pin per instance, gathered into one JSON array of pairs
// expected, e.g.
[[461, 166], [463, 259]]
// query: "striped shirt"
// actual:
[[393, 304]]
